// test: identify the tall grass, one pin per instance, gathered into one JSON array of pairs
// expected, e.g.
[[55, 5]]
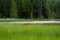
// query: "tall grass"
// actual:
[[30, 32]]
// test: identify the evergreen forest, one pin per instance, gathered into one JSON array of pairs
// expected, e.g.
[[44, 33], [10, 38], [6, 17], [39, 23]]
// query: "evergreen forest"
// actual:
[[30, 9]]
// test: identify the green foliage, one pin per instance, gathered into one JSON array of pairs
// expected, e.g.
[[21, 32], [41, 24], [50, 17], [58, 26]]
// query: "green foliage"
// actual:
[[30, 9], [13, 9]]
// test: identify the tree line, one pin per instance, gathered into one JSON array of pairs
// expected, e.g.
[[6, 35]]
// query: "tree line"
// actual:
[[30, 9]]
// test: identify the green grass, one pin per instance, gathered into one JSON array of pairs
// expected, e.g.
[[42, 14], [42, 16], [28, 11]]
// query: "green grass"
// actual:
[[19, 20], [30, 32]]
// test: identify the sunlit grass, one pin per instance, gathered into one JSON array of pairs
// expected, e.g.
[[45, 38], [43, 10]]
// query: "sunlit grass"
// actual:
[[30, 32]]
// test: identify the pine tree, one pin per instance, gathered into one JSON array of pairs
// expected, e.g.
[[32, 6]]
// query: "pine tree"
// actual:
[[13, 9]]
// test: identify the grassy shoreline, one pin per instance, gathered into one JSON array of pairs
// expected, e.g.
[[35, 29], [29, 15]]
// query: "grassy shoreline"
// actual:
[[19, 20]]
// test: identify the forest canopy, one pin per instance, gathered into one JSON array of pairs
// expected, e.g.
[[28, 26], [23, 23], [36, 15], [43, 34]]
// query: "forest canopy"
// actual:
[[30, 9]]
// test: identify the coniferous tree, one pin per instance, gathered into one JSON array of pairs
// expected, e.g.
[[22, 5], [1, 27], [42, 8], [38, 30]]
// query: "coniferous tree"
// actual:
[[13, 9]]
